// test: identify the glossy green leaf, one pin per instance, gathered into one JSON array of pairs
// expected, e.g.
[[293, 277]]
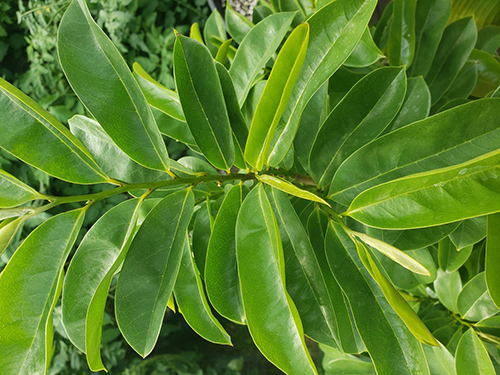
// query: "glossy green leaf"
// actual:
[[203, 102], [340, 84], [8, 230], [472, 357], [304, 278], [150, 269], [335, 30], [253, 99], [393, 253], [492, 263], [366, 52], [89, 59], [335, 362], [469, 232], [271, 315], [440, 360], [382, 331], [214, 27], [430, 20], [190, 298], [289, 188], [317, 225], [452, 104], [448, 138], [89, 276], [112, 160], [432, 198], [256, 49], [456, 44], [356, 120], [175, 129], [450, 258], [474, 302], [275, 96], [221, 274], [238, 25], [447, 287], [33, 135], [32, 278], [202, 230], [488, 39], [401, 43], [157, 95], [416, 104], [488, 73], [15, 192]]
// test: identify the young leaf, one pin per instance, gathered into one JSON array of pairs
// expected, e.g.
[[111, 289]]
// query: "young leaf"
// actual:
[[430, 21], [89, 276], [273, 101], [255, 50], [432, 198], [456, 44], [33, 135], [271, 315], [100, 77], [194, 32], [109, 156], [401, 43], [445, 139], [150, 269], [335, 30], [492, 262], [15, 192], [356, 120], [32, 279], [366, 52], [222, 53], [382, 331], [472, 357], [221, 273], [474, 302], [202, 100], [190, 298], [238, 25], [289, 188]]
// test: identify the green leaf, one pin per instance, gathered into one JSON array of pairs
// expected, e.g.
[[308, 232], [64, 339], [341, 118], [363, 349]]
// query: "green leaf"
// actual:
[[304, 278], [202, 100], [447, 287], [195, 33], [393, 253], [485, 13], [112, 159], [488, 39], [440, 360], [492, 262], [256, 49], [89, 276], [366, 52], [197, 165], [221, 274], [453, 51], [100, 77], [15, 192], [383, 26], [8, 230], [445, 139], [202, 230], [430, 20], [36, 137], [289, 188], [150, 269], [32, 278], [401, 43], [450, 258], [469, 232], [273, 101], [238, 25], [356, 120], [474, 302], [335, 30], [335, 362], [157, 95], [382, 331], [472, 357], [432, 198], [190, 298], [271, 315], [175, 129], [222, 53], [415, 107], [488, 73], [214, 27]]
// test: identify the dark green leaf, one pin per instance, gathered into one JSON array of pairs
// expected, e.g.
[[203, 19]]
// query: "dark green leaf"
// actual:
[[401, 43], [488, 39], [469, 232], [488, 73], [451, 258], [202, 230], [238, 25], [492, 263]]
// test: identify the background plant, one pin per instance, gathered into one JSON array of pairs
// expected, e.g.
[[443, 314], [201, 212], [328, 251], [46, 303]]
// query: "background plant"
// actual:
[[348, 139]]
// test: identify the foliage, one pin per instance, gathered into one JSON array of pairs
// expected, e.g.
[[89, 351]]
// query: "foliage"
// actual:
[[323, 200]]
